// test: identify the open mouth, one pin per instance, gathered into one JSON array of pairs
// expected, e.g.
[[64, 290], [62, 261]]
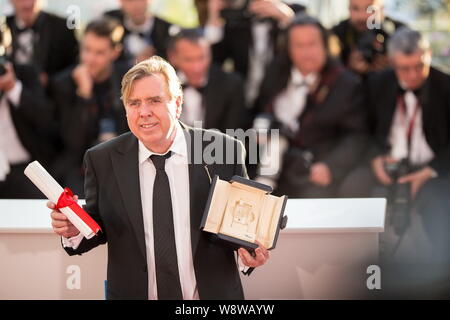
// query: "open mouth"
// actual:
[[148, 125]]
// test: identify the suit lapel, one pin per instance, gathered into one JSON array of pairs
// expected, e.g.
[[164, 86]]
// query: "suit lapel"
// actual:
[[198, 187], [126, 169]]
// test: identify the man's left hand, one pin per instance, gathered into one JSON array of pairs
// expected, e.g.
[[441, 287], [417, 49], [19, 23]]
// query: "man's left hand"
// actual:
[[260, 258], [417, 179]]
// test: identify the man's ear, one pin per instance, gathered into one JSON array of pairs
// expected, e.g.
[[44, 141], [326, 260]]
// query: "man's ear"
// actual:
[[179, 106]]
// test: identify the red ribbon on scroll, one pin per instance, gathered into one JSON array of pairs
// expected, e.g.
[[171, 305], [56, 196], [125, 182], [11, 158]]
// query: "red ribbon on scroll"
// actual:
[[66, 200]]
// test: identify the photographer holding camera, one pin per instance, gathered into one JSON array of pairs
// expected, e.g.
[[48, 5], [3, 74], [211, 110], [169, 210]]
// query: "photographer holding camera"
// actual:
[[363, 37], [248, 33], [410, 115], [317, 105], [25, 123]]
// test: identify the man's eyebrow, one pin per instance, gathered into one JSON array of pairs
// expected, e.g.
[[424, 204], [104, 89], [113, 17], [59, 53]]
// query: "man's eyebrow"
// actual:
[[145, 98]]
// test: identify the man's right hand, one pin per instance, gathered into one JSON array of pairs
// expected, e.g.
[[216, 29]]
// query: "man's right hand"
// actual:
[[83, 80], [60, 223], [378, 169]]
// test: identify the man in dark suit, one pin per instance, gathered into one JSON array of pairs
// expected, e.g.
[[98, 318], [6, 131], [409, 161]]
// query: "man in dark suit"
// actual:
[[25, 118], [41, 39], [248, 33], [145, 34], [410, 113], [89, 106], [148, 193], [317, 105], [211, 96], [409, 117], [363, 37]]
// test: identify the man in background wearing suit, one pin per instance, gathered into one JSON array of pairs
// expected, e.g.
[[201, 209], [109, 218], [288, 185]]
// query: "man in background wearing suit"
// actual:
[[88, 100], [317, 105], [409, 116], [145, 35], [211, 95], [149, 199], [25, 118], [41, 39], [410, 113]]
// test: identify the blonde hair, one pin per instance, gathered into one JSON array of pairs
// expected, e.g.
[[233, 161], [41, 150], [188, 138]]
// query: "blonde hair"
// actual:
[[150, 67]]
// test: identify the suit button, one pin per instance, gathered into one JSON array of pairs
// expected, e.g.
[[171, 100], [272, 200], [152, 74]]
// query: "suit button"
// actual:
[[144, 269]]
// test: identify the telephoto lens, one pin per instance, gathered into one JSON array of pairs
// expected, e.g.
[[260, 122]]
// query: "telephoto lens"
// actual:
[[399, 198]]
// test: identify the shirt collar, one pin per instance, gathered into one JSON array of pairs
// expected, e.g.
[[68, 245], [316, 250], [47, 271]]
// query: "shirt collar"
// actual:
[[144, 28], [178, 146], [297, 78]]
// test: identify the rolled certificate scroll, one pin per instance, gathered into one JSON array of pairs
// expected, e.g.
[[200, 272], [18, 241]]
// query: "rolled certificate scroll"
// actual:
[[62, 198]]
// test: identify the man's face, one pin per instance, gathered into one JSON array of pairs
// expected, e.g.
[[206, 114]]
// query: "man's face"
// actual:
[[412, 70], [135, 9], [26, 10], [151, 113], [193, 59], [306, 49], [97, 53], [359, 15]]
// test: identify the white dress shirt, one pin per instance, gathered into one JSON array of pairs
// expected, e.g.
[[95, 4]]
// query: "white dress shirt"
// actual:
[[25, 43], [420, 152], [11, 149], [177, 170], [291, 102], [133, 42]]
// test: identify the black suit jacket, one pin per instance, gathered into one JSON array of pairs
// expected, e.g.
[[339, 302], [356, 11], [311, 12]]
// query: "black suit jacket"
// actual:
[[159, 35], [434, 98], [113, 199], [55, 46], [224, 101], [33, 116]]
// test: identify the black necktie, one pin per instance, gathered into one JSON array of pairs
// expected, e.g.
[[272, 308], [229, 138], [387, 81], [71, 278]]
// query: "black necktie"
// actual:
[[167, 275]]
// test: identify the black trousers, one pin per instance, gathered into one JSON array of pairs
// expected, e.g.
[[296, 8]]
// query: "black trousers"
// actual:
[[18, 186]]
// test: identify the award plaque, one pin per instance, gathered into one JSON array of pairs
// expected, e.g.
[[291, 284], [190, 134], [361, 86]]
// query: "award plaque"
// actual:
[[243, 211]]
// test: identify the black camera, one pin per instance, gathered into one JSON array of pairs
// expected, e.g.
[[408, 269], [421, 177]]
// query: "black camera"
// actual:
[[371, 43], [399, 196]]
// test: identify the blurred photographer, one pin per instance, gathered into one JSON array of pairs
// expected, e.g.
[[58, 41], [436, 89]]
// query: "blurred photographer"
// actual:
[[248, 33], [317, 106], [363, 37], [145, 35], [88, 99], [41, 39], [25, 118], [410, 114]]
